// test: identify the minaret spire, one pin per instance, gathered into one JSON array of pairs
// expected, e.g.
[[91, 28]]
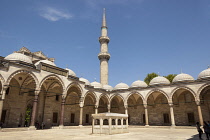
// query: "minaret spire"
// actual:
[[104, 19], [104, 56]]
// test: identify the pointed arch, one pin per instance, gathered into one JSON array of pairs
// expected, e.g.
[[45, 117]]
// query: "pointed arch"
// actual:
[[132, 93], [115, 95], [103, 95], [52, 76], [201, 89], [157, 90], [94, 96], [22, 71], [182, 87], [75, 85]]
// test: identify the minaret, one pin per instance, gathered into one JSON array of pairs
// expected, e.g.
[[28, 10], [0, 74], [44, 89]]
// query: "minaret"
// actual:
[[104, 56]]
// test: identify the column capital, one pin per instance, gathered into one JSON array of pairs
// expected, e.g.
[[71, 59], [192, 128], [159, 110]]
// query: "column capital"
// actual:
[[126, 106], [145, 106], [36, 92], [96, 106], [170, 104], [81, 105], [198, 103]]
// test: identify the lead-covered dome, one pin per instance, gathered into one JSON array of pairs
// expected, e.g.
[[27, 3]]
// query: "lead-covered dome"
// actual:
[[71, 72], [159, 80], [183, 77], [204, 74], [84, 80], [107, 87], [46, 62], [18, 57], [96, 84], [139, 83], [121, 86]]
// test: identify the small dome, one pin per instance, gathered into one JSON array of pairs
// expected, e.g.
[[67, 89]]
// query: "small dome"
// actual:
[[160, 80], [84, 80], [96, 84], [18, 57], [71, 72], [139, 83], [121, 86], [182, 77], [107, 87], [204, 74], [46, 62]]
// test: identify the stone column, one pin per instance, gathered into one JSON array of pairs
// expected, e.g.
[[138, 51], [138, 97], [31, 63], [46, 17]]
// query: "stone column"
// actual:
[[2, 99], [96, 109], [126, 112], [122, 124], [101, 125], [62, 113], [109, 107], [110, 126], [172, 114], [81, 110], [126, 109], [146, 115], [80, 115], [199, 112], [93, 123], [116, 123], [33, 117]]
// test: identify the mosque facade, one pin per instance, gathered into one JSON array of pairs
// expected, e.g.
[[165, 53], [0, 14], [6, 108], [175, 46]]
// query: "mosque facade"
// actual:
[[34, 90]]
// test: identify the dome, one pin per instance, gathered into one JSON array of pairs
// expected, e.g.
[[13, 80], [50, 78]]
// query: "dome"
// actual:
[[204, 74], [46, 62], [139, 83], [160, 80], [84, 80], [182, 77], [107, 87], [96, 85], [71, 72], [18, 57], [121, 86]]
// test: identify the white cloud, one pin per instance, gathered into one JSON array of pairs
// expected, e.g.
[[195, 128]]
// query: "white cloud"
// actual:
[[53, 14], [96, 3]]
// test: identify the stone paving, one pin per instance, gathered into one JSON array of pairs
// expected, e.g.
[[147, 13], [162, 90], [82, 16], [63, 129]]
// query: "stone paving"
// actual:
[[85, 133]]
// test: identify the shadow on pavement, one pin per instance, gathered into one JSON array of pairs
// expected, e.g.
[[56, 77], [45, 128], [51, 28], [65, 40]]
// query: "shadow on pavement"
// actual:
[[196, 137]]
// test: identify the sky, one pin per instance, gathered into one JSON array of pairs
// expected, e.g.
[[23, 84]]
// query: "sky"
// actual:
[[161, 36]]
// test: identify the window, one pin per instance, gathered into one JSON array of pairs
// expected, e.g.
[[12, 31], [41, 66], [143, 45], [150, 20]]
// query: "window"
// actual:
[[191, 118], [166, 118], [57, 97], [55, 117], [87, 118], [72, 117]]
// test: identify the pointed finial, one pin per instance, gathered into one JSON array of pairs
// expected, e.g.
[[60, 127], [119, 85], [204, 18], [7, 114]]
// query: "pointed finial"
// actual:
[[104, 18], [95, 79], [208, 66], [158, 73], [181, 70], [67, 66]]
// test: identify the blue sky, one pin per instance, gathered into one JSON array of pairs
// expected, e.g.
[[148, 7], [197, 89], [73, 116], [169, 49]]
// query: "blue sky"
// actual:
[[162, 36]]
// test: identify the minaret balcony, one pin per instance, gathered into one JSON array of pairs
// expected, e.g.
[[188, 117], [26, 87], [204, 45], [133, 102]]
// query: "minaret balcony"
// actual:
[[103, 39], [103, 55]]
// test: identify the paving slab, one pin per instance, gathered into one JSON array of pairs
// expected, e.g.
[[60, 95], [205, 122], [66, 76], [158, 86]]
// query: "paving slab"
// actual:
[[85, 134]]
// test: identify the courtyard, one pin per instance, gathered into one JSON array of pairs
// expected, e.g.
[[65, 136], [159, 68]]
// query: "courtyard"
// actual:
[[75, 133]]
